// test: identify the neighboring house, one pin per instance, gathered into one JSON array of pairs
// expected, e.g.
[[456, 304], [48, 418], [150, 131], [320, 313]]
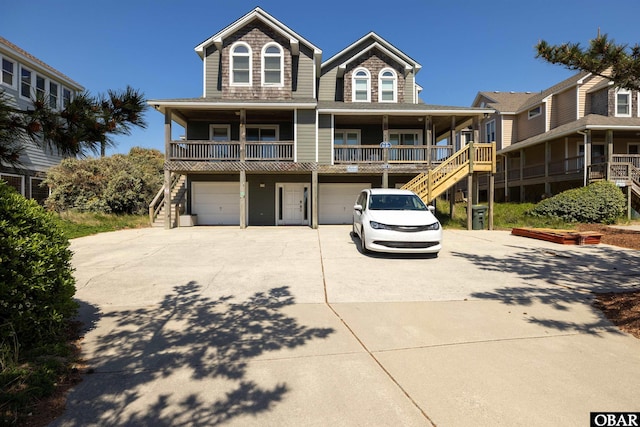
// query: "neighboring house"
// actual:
[[25, 77], [577, 131], [281, 137]]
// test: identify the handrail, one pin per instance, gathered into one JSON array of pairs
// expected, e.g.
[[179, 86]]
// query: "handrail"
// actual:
[[158, 201], [434, 182]]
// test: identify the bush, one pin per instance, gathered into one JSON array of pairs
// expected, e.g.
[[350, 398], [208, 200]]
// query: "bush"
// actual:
[[121, 184], [600, 202], [36, 280]]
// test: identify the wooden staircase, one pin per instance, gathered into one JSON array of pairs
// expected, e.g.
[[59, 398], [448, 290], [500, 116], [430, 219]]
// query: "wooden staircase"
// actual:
[[474, 157], [157, 206]]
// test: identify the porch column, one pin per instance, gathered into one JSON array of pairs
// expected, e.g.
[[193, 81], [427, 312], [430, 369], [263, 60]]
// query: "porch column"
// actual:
[[521, 176], [243, 133], [314, 199], [547, 160], [167, 173], [452, 135], [385, 151], [428, 138], [587, 157], [609, 141], [492, 189], [469, 201], [243, 199]]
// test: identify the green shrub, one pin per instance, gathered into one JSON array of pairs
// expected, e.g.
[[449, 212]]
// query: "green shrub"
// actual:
[[121, 184], [36, 280], [600, 202]]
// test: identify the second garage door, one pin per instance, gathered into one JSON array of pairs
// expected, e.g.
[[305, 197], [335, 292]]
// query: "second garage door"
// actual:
[[336, 202], [216, 203]]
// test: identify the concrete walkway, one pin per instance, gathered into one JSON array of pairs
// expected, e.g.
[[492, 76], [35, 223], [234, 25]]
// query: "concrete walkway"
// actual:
[[282, 326]]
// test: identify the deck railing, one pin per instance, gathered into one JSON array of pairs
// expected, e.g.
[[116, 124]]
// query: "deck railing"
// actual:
[[395, 154], [213, 150]]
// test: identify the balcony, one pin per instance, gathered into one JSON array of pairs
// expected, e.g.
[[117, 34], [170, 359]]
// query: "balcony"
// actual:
[[396, 154], [275, 151]]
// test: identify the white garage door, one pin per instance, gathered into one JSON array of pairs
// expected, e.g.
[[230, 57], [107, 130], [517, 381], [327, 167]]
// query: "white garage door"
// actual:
[[336, 202], [216, 203]]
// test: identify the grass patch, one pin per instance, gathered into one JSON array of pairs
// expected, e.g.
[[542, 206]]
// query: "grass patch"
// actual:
[[505, 217], [79, 224]]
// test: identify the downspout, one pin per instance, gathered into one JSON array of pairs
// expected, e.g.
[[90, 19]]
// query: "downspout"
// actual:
[[584, 142]]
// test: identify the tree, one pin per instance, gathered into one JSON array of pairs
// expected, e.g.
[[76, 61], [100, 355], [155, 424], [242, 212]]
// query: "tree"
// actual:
[[86, 124], [617, 62]]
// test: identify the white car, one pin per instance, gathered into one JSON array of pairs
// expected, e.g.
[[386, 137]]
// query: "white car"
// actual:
[[390, 220]]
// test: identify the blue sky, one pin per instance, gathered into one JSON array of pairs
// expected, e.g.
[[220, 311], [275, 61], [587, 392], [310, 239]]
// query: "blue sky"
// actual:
[[464, 46]]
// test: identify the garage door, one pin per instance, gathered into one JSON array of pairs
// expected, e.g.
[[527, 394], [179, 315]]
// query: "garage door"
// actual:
[[336, 202], [216, 203]]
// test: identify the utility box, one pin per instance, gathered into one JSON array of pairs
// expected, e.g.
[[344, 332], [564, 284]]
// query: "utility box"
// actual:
[[478, 217]]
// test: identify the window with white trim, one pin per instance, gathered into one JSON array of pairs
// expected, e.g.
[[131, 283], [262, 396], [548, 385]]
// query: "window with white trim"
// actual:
[[26, 80], [41, 87], [405, 137], [15, 181], [387, 86], [490, 131], [361, 85], [623, 103], [66, 97], [240, 64], [8, 72], [220, 133], [262, 133], [53, 95], [272, 65], [346, 137], [535, 112]]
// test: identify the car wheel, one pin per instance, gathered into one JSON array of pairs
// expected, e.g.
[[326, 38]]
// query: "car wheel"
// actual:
[[363, 244]]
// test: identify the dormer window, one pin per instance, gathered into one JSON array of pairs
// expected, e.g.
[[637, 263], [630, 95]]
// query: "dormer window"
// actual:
[[272, 65], [361, 85], [535, 112], [387, 84], [623, 103], [241, 64]]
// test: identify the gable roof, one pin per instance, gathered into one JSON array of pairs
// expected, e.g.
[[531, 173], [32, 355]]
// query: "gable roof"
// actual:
[[26, 57], [367, 42], [294, 38], [504, 102]]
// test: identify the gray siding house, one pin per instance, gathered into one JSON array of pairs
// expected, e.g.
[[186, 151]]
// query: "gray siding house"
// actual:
[[24, 77], [281, 137]]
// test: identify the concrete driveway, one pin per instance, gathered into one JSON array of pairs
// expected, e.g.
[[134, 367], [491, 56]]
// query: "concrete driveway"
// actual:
[[293, 326]]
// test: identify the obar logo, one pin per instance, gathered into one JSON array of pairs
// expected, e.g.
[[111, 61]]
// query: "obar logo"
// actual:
[[615, 419]]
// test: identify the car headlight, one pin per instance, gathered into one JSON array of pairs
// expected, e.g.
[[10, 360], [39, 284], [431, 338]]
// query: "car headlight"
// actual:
[[434, 226], [378, 226]]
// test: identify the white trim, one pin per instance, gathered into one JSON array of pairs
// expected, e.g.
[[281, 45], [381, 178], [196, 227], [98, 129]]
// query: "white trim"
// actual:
[[263, 56], [232, 55], [627, 92], [14, 83], [295, 135], [317, 136], [533, 115], [22, 180], [260, 127], [204, 75], [31, 75], [495, 130], [226, 127], [394, 81], [418, 132], [278, 202], [353, 84], [333, 135], [345, 132]]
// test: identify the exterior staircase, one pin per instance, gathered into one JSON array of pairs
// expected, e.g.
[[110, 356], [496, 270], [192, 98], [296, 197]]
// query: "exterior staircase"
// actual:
[[157, 206], [627, 174], [474, 157]]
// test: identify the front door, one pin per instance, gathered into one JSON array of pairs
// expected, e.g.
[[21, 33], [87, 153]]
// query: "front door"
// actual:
[[293, 204]]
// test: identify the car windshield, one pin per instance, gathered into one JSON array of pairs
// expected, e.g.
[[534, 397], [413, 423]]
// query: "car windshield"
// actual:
[[396, 202]]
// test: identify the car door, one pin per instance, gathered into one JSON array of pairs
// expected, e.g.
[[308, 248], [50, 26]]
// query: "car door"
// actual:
[[357, 214]]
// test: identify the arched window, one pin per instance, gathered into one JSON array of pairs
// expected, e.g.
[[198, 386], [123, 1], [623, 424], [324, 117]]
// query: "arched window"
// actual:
[[361, 85], [387, 86], [241, 64], [272, 65]]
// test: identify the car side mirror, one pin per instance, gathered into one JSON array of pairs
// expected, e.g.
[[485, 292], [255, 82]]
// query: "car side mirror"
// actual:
[[432, 209], [357, 208]]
